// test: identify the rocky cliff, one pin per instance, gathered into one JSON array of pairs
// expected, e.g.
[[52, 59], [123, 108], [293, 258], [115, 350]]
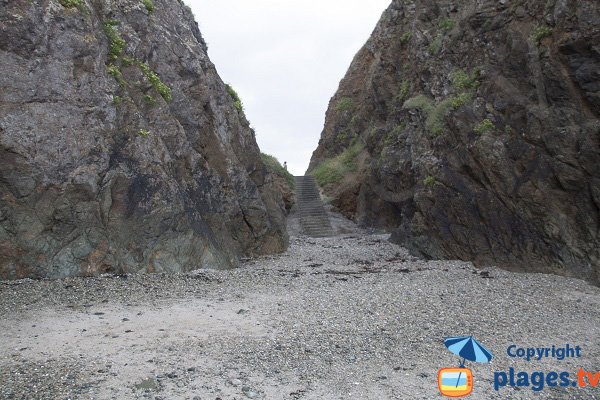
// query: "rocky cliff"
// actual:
[[120, 147], [471, 130]]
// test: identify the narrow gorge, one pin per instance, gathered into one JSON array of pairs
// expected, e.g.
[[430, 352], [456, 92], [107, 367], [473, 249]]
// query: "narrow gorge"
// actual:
[[445, 239]]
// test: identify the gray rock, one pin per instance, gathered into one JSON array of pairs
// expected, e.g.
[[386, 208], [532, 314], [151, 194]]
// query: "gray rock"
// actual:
[[249, 392], [147, 384], [500, 167], [107, 165]]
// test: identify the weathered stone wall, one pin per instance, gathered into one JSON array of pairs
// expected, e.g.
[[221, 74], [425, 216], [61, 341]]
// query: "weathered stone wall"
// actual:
[[479, 132], [120, 148]]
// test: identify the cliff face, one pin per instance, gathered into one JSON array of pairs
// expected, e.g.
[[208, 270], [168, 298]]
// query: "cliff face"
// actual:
[[471, 130], [120, 148]]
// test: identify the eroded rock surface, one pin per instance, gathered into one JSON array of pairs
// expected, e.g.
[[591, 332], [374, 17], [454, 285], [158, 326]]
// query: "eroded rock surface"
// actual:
[[471, 130], [120, 149]]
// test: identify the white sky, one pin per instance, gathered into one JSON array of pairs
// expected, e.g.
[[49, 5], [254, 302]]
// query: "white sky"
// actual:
[[285, 58]]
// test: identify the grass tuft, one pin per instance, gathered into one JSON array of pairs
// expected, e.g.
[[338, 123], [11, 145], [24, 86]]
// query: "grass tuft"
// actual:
[[436, 45], [540, 33], [334, 169], [447, 24], [461, 100], [275, 167], [70, 3], [462, 81], [237, 102], [149, 99], [149, 4], [484, 126], [403, 92], [393, 135], [157, 83], [344, 104], [435, 114], [116, 43]]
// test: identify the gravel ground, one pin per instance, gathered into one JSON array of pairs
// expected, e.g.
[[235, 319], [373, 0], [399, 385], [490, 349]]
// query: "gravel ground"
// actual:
[[349, 317]]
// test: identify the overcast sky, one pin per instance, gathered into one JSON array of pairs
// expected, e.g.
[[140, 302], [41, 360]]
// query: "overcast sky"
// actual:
[[285, 58]]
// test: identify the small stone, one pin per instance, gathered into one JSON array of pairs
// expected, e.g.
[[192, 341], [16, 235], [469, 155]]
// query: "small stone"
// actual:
[[249, 392], [147, 384]]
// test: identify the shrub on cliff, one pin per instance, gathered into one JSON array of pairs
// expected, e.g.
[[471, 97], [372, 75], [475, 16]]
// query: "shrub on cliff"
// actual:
[[275, 167], [237, 102], [333, 170]]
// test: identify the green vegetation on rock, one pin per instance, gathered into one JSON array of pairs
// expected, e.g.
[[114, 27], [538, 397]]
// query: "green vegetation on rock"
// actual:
[[447, 24], [275, 167], [406, 37], [345, 136], [149, 4], [144, 132], [116, 48], [462, 81], [461, 100], [420, 102], [394, 134], [115, 72], [237, 102], [127, 61], [334, 169], [116, 44], [404, 91], [540, 33], [436, 120], [436, 45], [436, 113], [484, 126], [70, 3], [149, 99], [429, 181], [156, 82], [344, 104]]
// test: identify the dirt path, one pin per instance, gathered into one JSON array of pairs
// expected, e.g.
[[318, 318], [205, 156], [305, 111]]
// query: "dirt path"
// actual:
[[350, 317]]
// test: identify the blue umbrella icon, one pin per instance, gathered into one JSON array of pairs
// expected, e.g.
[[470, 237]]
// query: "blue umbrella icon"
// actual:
[[468, 348]]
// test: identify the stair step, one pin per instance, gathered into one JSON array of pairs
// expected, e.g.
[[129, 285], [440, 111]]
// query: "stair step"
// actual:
[[313, 217]]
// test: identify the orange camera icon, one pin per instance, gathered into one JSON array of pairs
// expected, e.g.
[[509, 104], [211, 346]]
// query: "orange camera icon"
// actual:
[[455, 382]]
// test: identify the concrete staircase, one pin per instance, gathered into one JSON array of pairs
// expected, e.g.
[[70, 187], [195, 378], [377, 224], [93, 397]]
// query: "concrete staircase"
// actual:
[[313, 217]]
